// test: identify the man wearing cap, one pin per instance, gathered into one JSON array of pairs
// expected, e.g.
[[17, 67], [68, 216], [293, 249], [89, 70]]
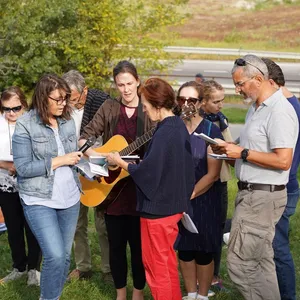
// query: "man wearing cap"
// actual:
[[199, 78], [262, 163]]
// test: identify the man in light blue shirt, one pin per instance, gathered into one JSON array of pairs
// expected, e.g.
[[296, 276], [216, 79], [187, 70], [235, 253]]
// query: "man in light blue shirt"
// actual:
[[262, 164]]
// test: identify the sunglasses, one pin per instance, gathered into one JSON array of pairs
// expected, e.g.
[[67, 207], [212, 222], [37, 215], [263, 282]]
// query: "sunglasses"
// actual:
[[241, 63], [181, 100], [14, 109]]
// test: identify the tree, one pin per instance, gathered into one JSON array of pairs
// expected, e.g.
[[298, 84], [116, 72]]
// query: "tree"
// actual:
[[27, 39], [89, 35]]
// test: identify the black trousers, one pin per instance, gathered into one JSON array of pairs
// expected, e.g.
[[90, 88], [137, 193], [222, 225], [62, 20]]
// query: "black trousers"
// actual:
[[16, 223], [120, 230]]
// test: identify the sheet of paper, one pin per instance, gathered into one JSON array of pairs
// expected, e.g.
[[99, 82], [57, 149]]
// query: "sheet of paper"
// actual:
[[98, 160], [99, 170], [206, 138], [84, 170], [220, 156], [188, 223], [130, 157]]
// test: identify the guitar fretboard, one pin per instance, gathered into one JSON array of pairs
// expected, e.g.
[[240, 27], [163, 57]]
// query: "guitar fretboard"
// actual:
[[186, 112], [137, 143]]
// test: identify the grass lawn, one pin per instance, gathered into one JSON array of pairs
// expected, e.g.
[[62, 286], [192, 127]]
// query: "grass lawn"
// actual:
[[235, 115], [96, 289], [241, 25]]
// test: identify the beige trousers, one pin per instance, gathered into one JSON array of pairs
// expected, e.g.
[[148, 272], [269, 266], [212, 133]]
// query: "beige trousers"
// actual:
[[250, 253], [82, 249]]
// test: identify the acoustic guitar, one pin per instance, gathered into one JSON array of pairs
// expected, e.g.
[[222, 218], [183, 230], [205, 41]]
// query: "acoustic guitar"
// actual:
[[102, 192]]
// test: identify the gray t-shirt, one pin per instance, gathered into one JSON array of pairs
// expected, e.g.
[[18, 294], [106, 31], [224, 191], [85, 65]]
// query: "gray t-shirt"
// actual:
[[272, 125]]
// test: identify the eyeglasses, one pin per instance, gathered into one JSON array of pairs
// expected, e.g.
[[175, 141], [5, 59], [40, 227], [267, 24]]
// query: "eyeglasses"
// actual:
[[14, 109], [181, 100], [241, 62], [60, 101], [76, 102], [240, 84], [78, 99]]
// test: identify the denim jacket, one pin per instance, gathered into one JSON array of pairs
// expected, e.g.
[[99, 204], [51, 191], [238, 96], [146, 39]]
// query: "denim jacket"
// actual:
[[34, 146]]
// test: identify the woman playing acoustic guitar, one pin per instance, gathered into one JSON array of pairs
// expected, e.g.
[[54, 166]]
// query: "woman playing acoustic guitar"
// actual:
[[122, 116]]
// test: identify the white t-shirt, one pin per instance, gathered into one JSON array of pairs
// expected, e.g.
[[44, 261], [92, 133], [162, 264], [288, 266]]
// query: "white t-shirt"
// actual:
[[7, 183], [77, 115]]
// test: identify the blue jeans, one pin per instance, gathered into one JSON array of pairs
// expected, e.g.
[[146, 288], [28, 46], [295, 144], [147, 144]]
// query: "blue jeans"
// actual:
[[54, 230], [285, 268]]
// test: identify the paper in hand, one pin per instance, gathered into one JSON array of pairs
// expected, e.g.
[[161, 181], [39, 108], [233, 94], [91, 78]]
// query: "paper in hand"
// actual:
[[206, 138], [188, 223], [220, 156]]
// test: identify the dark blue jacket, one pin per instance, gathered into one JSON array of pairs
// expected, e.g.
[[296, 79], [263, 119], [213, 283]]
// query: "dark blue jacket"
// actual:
[[165, 178]]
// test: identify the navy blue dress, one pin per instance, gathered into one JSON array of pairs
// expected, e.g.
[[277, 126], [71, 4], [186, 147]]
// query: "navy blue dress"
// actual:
[[205, 210]]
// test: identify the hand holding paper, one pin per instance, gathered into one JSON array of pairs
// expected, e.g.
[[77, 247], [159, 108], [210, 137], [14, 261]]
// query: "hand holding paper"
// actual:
[[188, 223]]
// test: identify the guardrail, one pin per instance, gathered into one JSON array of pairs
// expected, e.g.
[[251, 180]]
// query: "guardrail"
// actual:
[[235, 52], [229, 88]]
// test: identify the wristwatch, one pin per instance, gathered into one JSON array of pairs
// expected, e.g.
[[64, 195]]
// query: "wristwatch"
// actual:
[[244, 154]]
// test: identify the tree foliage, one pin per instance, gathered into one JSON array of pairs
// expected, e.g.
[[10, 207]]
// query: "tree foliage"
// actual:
[[87, 35]]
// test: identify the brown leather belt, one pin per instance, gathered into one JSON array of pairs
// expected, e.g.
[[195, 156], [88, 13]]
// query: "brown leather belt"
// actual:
[[260, 187]]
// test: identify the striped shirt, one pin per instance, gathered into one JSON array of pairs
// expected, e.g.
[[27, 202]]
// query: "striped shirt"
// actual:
[[94, 99]]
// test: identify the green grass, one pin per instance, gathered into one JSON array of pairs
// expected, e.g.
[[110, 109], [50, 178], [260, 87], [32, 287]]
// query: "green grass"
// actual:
[[96, 289], [235, 115], [218, 25]]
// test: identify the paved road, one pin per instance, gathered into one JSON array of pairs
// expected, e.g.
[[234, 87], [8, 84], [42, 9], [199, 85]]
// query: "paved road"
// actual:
[[221, 72]]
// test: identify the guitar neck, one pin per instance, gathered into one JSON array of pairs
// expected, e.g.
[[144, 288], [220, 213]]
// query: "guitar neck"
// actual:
[[137, 143]]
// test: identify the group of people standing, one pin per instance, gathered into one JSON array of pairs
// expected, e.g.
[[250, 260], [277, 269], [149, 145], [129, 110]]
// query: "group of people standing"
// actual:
[[176, 174]]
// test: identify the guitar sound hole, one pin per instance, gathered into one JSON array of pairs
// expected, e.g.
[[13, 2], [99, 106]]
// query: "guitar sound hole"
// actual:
[[113, 175]]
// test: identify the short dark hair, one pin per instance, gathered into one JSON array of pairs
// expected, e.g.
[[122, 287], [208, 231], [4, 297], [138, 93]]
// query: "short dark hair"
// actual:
[[199, 75], [275, 72], [125, 66], [40, 102], [11, 92], [158, 93]]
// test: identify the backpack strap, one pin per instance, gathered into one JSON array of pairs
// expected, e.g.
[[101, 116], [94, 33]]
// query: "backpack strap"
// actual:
[[209, 123]]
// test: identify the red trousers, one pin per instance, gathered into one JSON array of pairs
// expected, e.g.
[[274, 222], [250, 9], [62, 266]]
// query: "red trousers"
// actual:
[[159, 258]]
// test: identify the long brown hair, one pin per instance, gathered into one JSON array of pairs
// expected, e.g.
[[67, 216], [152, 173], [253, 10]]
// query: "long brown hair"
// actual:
[[11, 92], [40, 101]]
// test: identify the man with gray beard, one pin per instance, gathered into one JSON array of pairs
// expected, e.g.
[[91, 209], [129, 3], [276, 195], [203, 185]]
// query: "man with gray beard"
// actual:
[[262, 163]]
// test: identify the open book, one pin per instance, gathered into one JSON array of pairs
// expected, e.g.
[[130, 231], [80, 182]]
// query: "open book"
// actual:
[[90, 170], [101, 160]]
